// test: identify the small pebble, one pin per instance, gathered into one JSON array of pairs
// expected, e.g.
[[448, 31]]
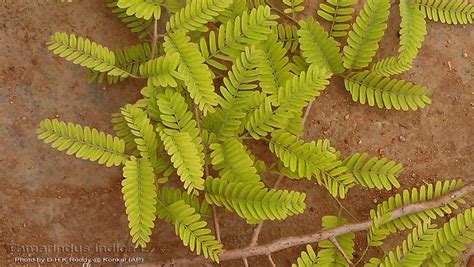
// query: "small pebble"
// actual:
[[360, 142], [380, 152], [402, 138], [346, 117], [449, 65], [375, 200], [464, 55]]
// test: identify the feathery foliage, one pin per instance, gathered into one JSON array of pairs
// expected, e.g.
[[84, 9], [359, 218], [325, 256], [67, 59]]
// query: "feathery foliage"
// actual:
[[390, 66], [374, 89], [451, 239], [273, 69], [253, 202], [139, 194], [230, 40], [223, 72], [318, 48], [86, 53], [414, 249], [136, 25], [83, 142], [338, 13], [366, 32], [196, 14], [307, 259], [128, 59], [190, 227], [146, 9], [186, 159], [161, 72], [375, 172], [230, 158], [382, 225], [143, 132], [288, 35], [412, 31], [195, 74], [293, 7], [236, 94], [450, 12]]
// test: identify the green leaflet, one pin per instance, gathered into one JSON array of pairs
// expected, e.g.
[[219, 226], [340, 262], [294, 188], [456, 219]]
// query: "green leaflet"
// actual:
[[338, 13], [307, 258], [161, 72], [175, 115], [273, 69], [191, 228], [185, 157], [195, 74], [236, 94], [451, 239], [414, 249], [318, 48], [374, 89], [366, 32], [253, 202], [288, 35], [196, 14], [450, 12], [86, 53], [250, 28], [390, 66], [146, 9], [83, 142], [412, 30], [144, 134], [169, 195], [373, 172], [289, 102], [230, 158], [128, 59], [139, 194], [294, 6]]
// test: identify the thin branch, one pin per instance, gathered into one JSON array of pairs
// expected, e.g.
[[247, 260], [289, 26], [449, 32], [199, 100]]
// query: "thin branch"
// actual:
[[246, 262], [155, 39], [270, 259], [292, 241], [338, 246], [216, 223], [206, 172]]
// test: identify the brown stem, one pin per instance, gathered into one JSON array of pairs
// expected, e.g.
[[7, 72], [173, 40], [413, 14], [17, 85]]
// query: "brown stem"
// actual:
[[155, 39], [292, 241]]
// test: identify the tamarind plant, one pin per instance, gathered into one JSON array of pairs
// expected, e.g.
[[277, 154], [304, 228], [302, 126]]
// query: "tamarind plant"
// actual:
[[223, 72]]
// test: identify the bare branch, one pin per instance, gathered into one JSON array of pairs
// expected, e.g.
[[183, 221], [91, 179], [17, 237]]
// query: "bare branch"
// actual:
[[338, 246], [293, 241], [246, 262], [155, 39]]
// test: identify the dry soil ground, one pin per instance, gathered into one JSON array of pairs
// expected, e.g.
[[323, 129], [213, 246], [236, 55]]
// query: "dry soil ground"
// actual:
[[48, 198]]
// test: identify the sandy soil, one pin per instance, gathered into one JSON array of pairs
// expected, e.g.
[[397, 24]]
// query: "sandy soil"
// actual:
[[48, 198]]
